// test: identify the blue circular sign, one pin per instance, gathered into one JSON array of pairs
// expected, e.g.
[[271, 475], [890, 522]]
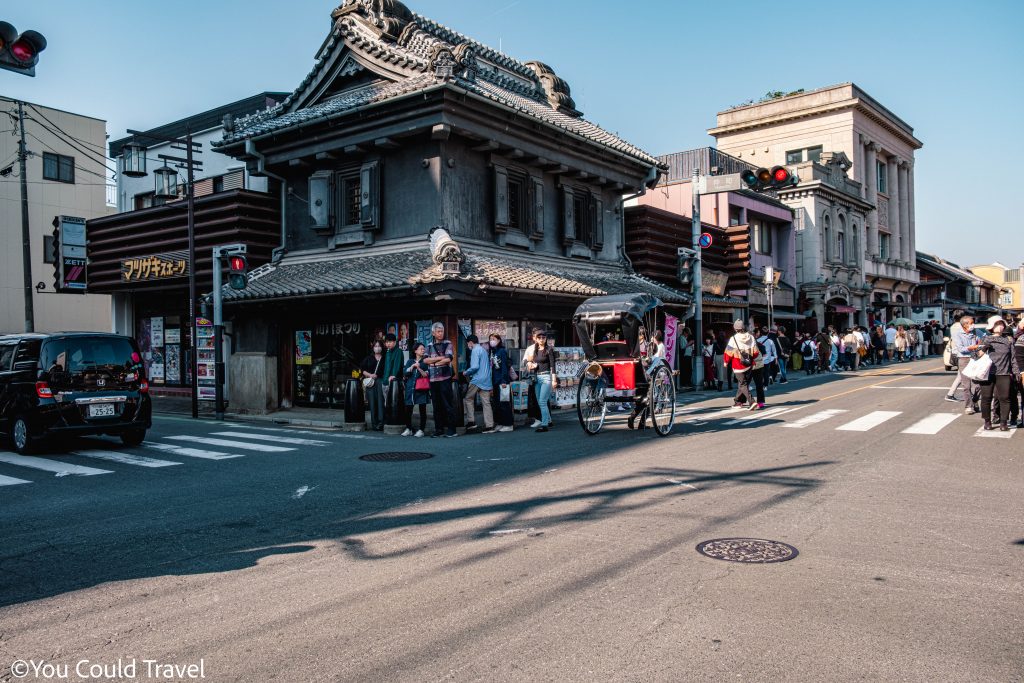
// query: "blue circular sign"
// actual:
[[705, 240]]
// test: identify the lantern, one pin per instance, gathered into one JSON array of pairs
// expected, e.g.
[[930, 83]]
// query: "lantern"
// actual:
[[133, 160], [165, 183]]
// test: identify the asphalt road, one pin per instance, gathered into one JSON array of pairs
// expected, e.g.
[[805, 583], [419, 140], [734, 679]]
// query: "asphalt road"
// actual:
[[533, 557]]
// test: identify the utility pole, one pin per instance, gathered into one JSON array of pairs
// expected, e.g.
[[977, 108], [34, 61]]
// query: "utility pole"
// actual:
[[190, 190], [26, 233], [698, 296]]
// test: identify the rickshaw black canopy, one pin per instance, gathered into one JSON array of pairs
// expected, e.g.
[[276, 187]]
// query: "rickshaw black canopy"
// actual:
[[627, 309]]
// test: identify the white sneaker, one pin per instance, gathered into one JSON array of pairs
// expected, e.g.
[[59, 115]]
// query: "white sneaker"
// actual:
[[536, 423], [419, 433], [407, 432], [504, 429]]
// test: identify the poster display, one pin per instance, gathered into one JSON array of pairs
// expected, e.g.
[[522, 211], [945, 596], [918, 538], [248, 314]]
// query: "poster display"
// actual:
[[156, 367], [172, 335], [156, 331], [303, 347], [172, 362], [205, 361], [568, 368], [485, 328], [423, 331]]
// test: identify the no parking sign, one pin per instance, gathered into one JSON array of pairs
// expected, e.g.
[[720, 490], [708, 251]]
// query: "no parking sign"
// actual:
[[705, 240]]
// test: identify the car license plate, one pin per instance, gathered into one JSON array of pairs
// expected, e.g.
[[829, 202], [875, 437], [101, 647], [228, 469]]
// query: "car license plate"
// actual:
[[101, 410]]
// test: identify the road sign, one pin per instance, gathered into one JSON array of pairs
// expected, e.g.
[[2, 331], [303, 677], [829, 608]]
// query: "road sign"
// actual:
[[710, 184], [705, 240]]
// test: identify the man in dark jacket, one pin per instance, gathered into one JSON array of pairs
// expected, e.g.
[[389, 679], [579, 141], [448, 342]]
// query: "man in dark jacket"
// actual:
[[1005, 370], [785, 349], [1017, 386]]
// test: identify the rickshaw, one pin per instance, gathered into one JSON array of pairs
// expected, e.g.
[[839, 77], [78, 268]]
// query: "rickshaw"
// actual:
[[609, 332]]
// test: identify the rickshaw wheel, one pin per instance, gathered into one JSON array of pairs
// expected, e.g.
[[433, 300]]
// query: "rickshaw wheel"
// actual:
[[662, 401], [590, 405]]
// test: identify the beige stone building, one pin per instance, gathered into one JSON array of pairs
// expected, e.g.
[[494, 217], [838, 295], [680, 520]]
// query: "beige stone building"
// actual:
[[1011, 296], [855, 203], [66, 176]]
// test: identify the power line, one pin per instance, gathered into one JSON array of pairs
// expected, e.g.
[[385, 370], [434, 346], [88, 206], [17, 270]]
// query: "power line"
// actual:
[[81, 168], [36, 110], [60, 135]]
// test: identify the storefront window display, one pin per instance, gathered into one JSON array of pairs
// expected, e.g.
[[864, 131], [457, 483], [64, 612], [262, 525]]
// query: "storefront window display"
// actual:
[[326, 355], [160, 340]]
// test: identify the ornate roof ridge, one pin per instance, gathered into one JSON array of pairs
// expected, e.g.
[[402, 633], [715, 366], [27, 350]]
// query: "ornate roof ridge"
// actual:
[[454, 38]]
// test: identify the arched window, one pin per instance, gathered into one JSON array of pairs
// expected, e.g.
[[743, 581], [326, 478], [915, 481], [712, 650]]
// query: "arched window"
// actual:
[[841, 240], [827, 222]]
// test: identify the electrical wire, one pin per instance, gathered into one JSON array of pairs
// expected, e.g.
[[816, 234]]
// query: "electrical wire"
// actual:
[[81, 168], [102, 148], [93, 156]]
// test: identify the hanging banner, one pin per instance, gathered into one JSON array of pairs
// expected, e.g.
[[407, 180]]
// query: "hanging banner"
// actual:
[[671, 329]]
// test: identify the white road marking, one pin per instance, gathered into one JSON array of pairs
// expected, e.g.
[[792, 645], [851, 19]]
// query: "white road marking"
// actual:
[[11, 481], [683, 484], [61, 469], [270, 437], [758, 415], [318, 432], [814, 419], [994, 434], [931, 424], [869, 421], [125, 458], [190, 452], [263, 448]]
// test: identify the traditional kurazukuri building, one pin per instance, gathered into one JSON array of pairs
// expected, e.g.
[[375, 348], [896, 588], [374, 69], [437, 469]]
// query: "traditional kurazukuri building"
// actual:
[[428, 178]]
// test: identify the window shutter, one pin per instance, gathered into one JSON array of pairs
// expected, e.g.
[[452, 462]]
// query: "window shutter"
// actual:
[[369, 187], [598, 222], [320, 200], [568, 217], [536, 206], [501, 217]]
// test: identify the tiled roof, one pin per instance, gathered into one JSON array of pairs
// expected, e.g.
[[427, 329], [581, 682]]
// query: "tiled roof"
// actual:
[[513, 84], [409, 269]]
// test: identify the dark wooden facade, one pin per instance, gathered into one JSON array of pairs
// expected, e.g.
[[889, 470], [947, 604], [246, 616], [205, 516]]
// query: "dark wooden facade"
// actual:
[[251, 218]]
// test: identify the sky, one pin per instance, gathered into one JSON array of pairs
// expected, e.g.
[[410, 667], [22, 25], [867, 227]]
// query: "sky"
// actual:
[[655, 72]]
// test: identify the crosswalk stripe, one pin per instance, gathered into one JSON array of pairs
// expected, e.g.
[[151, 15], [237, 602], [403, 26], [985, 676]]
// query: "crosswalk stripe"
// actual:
[[231, 444], [759, 415], [814, 419], [931, 424], [61, 469], [322, 433], [869, 421], [994, 433], [11, 481], [190, 452], [125, 458], [271, 437]]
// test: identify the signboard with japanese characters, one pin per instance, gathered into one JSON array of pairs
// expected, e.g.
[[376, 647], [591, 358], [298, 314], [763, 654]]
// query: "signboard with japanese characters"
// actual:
[[155, 267], [72, 264]]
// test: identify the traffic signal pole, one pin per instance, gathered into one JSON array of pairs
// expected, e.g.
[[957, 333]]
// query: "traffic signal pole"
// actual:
[[26, 233], [698, 296], [219, 254]]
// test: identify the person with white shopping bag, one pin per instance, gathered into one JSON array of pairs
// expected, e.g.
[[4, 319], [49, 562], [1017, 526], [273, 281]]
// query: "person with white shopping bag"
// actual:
[[502, 375], [1002, 370], [963, 345]]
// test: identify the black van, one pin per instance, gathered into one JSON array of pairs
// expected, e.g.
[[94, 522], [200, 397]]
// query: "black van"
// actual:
[[72, 383]]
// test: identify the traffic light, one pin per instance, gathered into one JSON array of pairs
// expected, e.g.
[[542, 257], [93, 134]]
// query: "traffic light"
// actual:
[[20, 52], [763, 179], [686, 262], [237, 277], [56, 255]]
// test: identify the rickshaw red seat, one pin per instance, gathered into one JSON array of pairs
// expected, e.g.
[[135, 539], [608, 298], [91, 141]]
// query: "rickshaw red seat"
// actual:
[[624, 375]]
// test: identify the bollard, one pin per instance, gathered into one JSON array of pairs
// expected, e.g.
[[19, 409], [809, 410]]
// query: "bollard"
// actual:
[[355, 410], [394, 408], [458, 418]]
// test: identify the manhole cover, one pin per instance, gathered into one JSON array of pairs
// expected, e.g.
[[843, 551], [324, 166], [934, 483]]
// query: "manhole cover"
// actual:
[[395, 457], [753, 550]]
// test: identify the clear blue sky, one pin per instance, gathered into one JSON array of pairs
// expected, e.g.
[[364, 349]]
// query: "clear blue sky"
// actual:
[[655, 72]]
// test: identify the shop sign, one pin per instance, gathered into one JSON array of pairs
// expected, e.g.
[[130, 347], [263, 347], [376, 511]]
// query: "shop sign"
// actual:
[[714, 281], [156, 267], [838, 292], [72, 264], [338, 328]]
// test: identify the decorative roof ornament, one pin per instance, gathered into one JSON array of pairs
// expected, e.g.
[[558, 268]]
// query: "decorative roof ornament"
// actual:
[[446, 252], [386, 17], [465, 57], [442, 62], [556, 88]]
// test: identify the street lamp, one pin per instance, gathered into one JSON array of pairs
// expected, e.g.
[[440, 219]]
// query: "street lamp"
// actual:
[[133, 160], [165, 183]]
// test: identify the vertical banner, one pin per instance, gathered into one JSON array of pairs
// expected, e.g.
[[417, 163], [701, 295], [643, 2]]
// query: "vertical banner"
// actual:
[[671, 327]]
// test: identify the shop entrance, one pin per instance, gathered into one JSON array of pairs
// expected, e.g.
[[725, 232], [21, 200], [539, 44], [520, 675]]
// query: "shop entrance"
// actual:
[[838, 313], [326, 355]]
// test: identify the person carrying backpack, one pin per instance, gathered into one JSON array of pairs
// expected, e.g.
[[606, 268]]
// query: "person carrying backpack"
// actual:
[[809, 351], [743, 357]]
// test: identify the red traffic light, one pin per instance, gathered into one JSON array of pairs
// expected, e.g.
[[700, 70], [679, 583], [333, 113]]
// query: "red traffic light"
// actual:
[[780, 175], [236, 263]]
